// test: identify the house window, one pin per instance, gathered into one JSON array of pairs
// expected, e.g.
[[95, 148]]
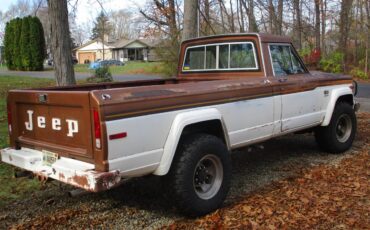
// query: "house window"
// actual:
[[223, 56]]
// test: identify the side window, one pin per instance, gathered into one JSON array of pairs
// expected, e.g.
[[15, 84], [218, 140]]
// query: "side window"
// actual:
[[221, 56], [284, 61], [242, 56], [223, 59], [194, 58], [211, 57]]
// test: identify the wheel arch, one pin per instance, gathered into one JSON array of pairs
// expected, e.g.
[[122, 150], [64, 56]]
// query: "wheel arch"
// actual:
[[343, 94], [207, 121]]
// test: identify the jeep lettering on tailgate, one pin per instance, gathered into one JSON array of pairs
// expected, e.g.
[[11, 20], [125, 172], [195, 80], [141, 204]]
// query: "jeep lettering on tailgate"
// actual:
[[56, 124]]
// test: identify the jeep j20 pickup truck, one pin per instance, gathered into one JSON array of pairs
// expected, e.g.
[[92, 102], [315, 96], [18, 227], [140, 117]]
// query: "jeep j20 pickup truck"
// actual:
[[231, 91]]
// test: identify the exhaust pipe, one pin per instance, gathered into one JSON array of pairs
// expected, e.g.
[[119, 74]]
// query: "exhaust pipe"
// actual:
[[77, 192], [20, 174]]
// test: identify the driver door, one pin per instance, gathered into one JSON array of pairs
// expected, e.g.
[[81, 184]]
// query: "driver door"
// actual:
[[297, 105]]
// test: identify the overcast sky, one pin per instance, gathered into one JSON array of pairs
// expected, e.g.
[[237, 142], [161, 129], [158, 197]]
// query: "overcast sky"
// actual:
[[87, 10]]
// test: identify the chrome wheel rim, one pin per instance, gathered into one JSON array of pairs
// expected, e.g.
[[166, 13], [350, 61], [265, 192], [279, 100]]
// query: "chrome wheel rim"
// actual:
[[343, 128], [208, 176]]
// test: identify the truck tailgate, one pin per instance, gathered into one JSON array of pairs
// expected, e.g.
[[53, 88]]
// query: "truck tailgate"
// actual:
[[54, 121]]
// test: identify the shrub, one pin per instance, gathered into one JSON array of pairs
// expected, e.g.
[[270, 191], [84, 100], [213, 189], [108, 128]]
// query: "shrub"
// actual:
[[102, 74], [356, 72], [333, 63], [24, 43]]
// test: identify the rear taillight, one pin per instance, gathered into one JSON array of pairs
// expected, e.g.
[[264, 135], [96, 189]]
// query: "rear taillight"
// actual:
[[9, 110], [97, 130]]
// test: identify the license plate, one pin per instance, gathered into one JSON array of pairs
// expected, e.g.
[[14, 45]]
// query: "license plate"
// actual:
[[48, 158]]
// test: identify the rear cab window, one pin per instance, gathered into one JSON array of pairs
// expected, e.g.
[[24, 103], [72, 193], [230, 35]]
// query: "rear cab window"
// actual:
[[221, 57], [284, 61]]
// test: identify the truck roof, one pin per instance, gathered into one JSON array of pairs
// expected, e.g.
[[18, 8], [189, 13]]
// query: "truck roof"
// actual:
[[263, 37]]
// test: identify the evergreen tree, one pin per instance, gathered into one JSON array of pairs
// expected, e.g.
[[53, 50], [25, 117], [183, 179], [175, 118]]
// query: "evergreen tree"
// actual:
[[17, 26], [24, 43], [101, 27], [37, 44], [8, 45]]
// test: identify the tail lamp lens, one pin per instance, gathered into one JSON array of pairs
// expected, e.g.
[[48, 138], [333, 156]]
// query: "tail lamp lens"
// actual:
[[97, 129], [9, 110]]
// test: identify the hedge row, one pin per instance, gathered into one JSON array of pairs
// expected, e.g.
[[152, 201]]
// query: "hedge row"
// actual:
[[24, 43]]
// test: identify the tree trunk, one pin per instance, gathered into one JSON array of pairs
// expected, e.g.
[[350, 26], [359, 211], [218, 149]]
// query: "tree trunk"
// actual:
[[252, 24], [231, 18], [241, 16], [344, 26], [323, 26], [279, 21], [272, 22], [367, 5], [317, 24], [253, 27], [207, 17], [297, 25], [222, 16], [60, 43], [172, 19], [190, 19]]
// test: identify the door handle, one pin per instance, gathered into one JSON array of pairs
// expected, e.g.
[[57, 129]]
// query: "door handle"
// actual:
[[283, 79], [266, 81]]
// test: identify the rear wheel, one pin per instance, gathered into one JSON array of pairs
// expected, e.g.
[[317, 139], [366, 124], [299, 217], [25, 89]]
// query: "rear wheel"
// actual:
[[338, 136], [200, 174]]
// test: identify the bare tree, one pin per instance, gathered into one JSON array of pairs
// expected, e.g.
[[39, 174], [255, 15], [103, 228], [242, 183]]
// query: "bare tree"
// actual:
[[190, 19], [344, 25], [297, 24], [317, 23], [367, 6], [60, 42], [252, 24], [323, 6]]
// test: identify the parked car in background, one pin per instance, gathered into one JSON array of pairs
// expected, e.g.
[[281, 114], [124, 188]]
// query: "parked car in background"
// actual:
[[101, 63]]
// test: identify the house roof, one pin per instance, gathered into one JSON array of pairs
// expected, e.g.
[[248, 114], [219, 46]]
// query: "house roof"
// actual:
[[123, 43]]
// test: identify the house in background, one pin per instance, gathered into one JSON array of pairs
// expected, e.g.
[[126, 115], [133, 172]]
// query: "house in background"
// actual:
[[122, 50], [92, 51], [135, 50]]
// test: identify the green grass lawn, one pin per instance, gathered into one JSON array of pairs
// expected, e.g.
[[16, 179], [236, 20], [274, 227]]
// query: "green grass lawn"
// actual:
[[131, 67], [10, 187]]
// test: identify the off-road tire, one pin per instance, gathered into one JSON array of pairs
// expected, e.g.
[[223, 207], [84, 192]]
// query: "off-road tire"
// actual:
[[338, 136], [192, 154]]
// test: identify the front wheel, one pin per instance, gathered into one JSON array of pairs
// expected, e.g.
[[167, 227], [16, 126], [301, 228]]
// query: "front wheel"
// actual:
[[200, 174], [338, 136]]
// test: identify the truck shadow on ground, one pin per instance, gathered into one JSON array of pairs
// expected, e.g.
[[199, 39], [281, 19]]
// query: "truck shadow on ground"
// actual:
[[253, 168]]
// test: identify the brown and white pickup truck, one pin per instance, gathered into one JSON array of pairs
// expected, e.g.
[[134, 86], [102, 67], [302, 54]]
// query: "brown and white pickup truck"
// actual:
[[231, 91]]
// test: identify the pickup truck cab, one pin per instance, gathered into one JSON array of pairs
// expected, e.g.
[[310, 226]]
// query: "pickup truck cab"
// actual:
[[231, 91]]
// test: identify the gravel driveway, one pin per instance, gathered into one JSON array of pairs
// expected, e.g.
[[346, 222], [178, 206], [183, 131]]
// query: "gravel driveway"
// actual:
[[141, 203]]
